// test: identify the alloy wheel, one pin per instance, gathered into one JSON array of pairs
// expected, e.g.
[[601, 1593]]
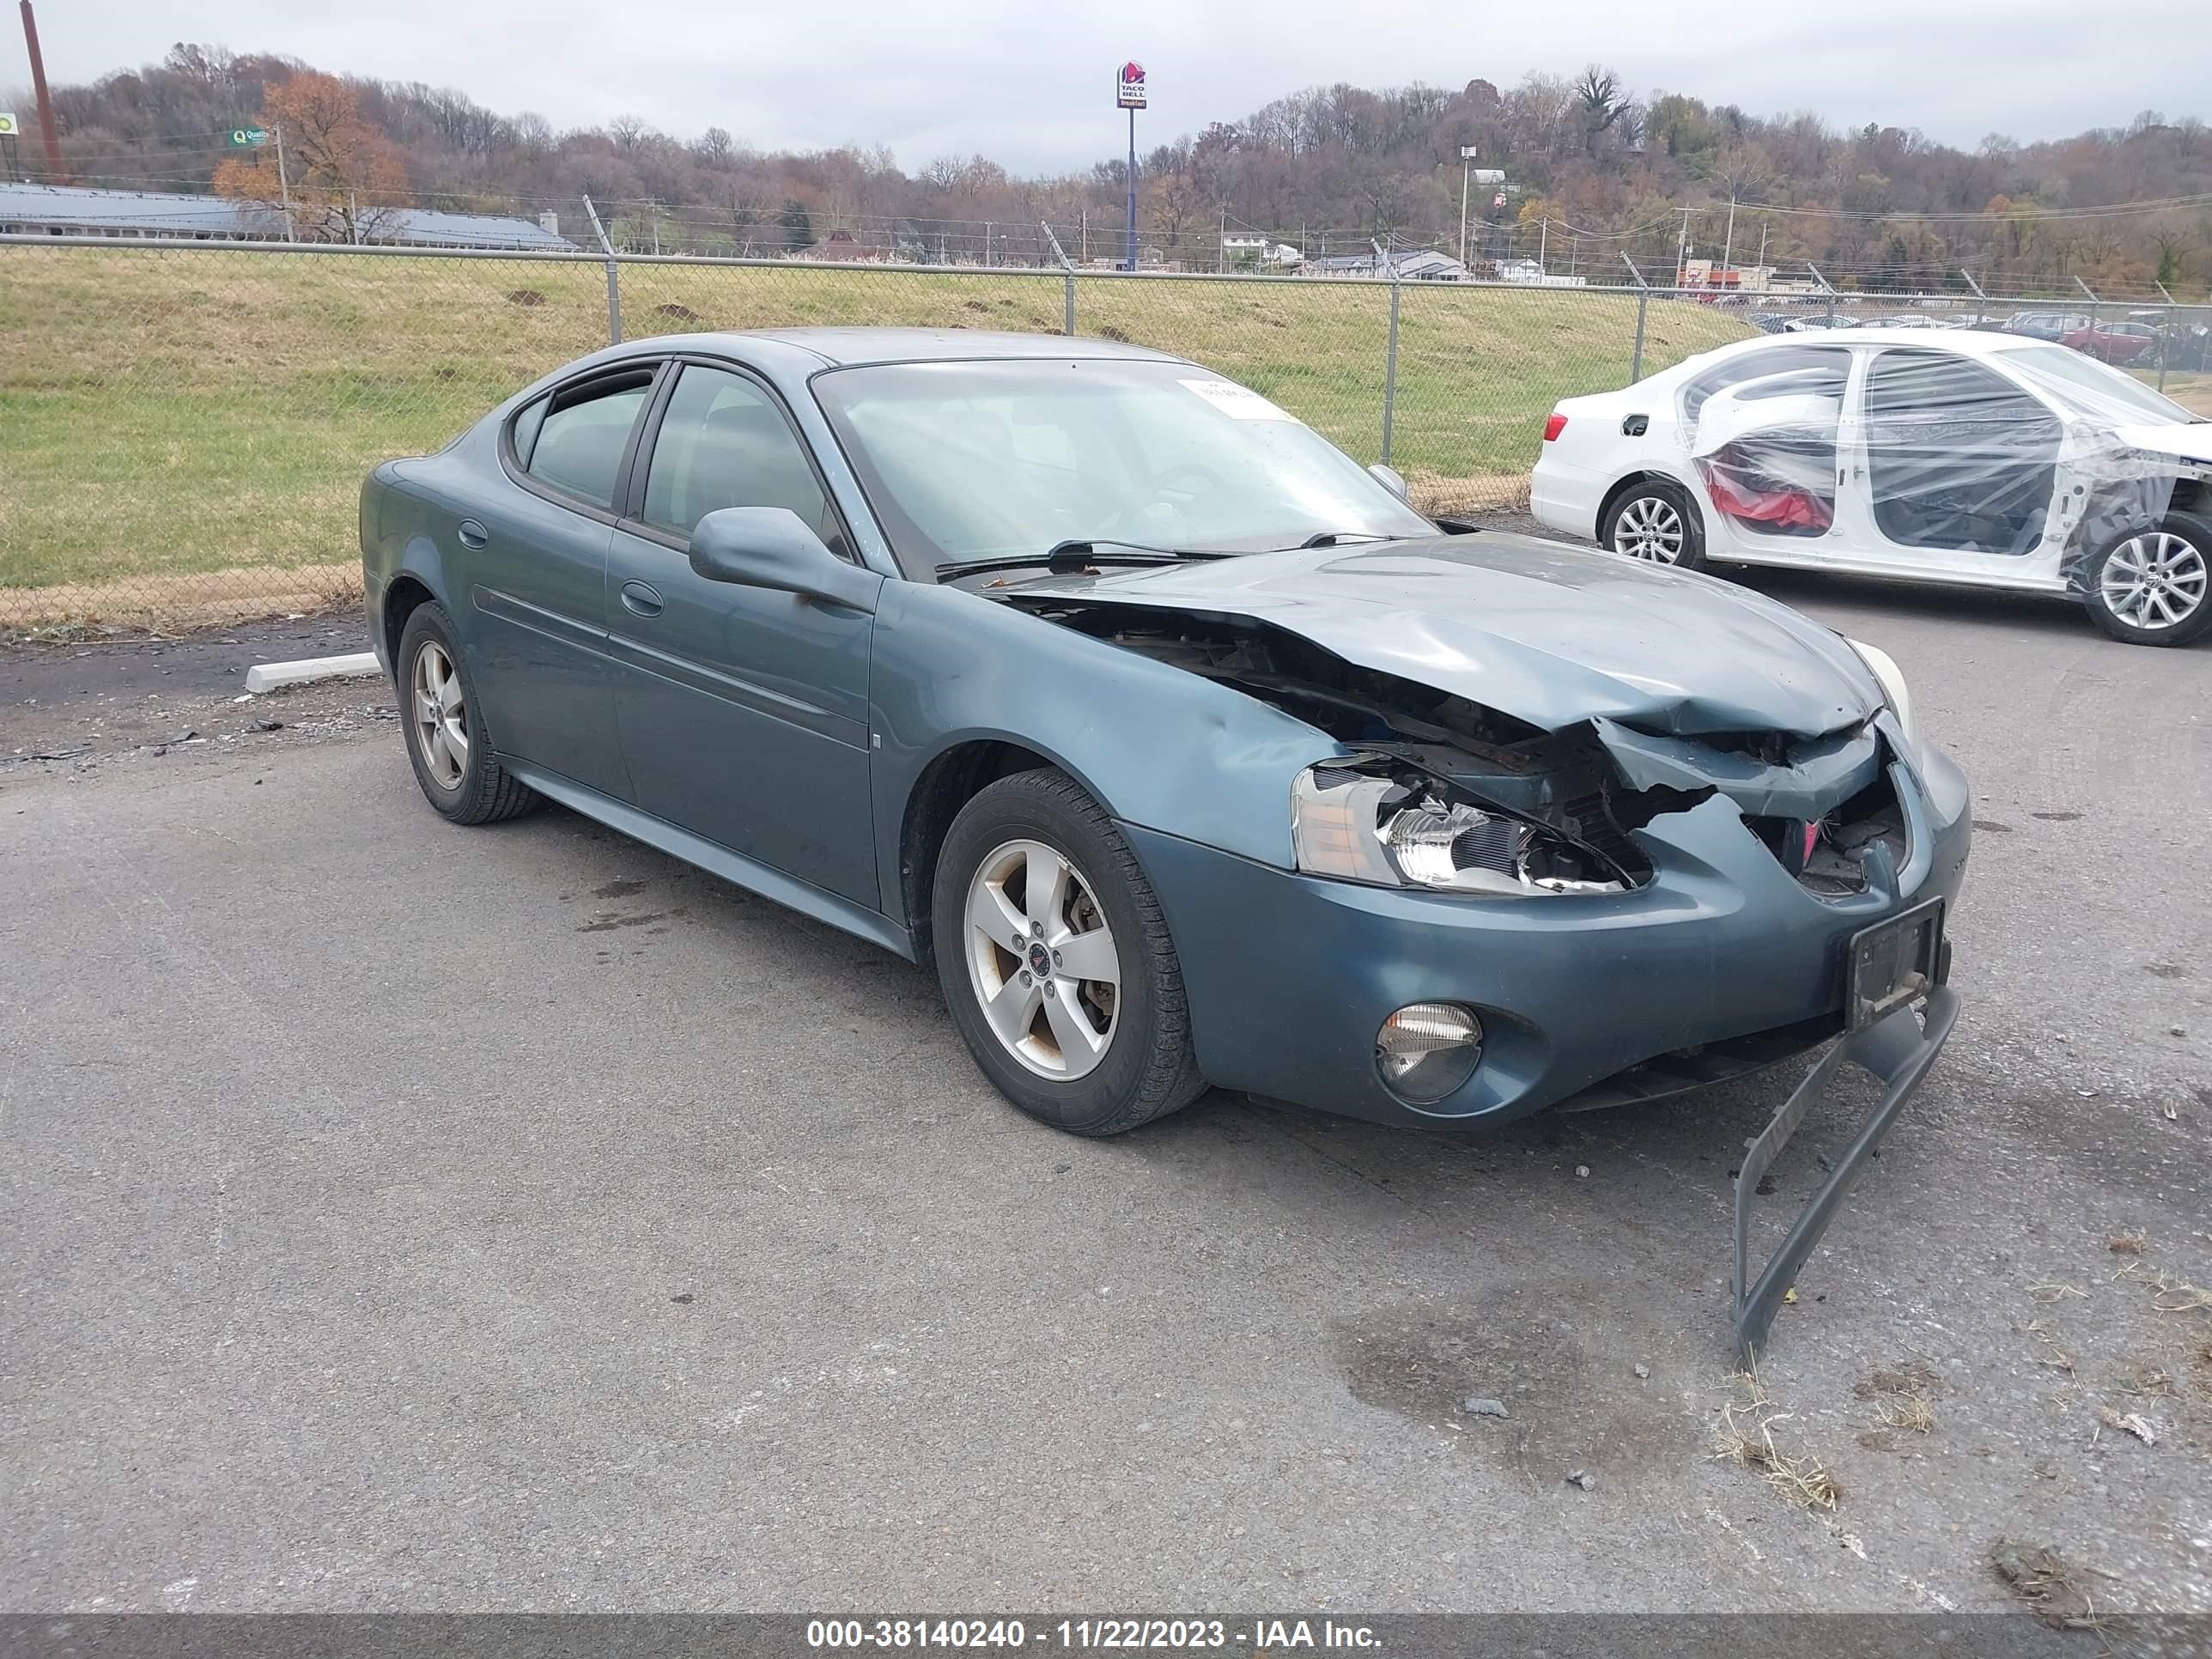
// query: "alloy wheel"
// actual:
[[2155, 582], [1042, 960], [1649, 528], [441, 729]]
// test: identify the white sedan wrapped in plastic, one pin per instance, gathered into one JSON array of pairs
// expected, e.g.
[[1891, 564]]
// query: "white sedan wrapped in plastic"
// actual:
[[1980, 460]]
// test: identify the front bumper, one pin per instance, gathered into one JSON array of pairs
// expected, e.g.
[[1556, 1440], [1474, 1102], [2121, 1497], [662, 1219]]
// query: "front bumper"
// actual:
[[1897, 1050], [1288, 976]]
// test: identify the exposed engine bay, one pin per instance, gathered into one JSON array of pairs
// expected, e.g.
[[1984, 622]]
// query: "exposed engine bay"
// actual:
[[1445, 792]]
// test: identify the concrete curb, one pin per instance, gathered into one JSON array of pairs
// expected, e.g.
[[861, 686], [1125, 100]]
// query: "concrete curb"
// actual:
[[269, 675]]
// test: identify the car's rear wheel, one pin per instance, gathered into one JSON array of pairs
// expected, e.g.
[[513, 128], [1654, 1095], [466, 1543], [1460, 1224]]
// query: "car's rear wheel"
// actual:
[[1655, 520], [2153, 586], [446, 740], [1055, 960]]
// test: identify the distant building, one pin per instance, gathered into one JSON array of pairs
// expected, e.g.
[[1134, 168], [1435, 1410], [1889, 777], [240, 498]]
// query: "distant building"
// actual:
[[173, 216], [841, 245], [1733, 279], [1527, 273], [1410, 264], [1241, 249]]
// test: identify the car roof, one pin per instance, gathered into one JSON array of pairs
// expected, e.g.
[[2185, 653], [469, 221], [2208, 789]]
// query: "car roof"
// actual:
[[1964, 341], [850, 347]]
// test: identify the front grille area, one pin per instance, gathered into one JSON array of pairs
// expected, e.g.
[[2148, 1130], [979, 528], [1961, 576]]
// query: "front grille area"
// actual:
[[1826, 855]]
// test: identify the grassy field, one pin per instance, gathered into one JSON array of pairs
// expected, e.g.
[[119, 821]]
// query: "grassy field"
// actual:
[[185, 431]]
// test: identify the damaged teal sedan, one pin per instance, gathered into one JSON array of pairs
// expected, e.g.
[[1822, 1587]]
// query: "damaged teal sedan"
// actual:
[[1179, 744]]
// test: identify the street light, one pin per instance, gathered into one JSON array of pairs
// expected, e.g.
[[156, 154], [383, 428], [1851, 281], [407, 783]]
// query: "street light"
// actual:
[[1465, 173]]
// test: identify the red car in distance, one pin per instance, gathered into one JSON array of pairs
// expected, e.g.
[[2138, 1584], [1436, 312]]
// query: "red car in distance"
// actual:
[[2112, 342]]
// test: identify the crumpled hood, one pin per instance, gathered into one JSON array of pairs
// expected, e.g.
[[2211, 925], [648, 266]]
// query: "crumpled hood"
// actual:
[[1549, 634]]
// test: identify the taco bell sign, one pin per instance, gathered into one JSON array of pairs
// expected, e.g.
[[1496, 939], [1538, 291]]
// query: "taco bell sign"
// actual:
[[1129, 87]]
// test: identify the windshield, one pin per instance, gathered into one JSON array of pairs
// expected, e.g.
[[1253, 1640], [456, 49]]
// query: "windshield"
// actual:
[[969, 461], [2085, 386]]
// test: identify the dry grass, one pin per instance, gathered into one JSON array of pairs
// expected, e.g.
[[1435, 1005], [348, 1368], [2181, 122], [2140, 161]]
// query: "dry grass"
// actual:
[[1905, 1394], [2145, 1381], [173, 413], [2193, 392], [1745, 1435], [2053, 1355], [177, 603], [2046, 1580]]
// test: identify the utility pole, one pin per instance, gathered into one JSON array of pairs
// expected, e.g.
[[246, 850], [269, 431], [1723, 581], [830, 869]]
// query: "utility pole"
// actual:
[[283, 179], [1682, 247], [1221, 260], [1727, 247], [1762, 243], [56, 173], [1543, 237], [1086, 233]]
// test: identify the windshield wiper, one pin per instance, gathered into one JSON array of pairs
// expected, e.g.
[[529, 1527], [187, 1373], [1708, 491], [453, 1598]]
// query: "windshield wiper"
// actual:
[[1338, 538], [1073, 555]]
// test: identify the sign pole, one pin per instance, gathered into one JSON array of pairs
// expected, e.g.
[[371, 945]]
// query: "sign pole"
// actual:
[[1129, 94], [284, 181], [1131, 249], [56, 173]]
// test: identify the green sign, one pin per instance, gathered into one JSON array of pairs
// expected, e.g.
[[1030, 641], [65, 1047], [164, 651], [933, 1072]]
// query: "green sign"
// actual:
[[7, 123], [248, 137]]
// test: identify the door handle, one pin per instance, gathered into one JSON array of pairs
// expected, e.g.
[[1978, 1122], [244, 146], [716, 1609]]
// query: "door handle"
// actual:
[[641, 599], [474, 534]]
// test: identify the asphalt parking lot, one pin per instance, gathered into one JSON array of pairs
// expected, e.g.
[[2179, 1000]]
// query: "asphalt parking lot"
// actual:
[[406, 1217]]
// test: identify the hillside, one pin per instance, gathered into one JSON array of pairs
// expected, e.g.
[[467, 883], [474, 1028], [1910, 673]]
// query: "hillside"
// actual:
[[1594, 169]]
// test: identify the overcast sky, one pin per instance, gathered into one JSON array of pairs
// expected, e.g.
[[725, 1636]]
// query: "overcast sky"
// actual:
[[1029, 83]]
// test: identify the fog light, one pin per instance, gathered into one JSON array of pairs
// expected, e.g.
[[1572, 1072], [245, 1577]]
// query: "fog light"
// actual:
[[1427, 1049]]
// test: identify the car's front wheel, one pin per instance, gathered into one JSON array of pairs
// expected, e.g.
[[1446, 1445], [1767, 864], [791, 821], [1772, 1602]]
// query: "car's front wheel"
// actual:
[[1056, 962], [2153, 585], [1655, 521], [446, 741]]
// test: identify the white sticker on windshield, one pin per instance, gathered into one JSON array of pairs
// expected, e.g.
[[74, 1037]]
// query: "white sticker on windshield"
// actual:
[[1239, 402]]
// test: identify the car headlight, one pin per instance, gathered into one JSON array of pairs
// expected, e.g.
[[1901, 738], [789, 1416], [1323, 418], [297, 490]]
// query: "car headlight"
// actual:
[[1400, 829], [1894, 692]]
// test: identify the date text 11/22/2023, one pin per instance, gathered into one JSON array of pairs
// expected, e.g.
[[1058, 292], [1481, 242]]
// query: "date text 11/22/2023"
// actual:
[[1083, 1635]]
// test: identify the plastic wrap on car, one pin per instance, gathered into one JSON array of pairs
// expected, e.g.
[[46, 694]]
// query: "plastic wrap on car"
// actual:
[[1958, 457], [1945, 452]]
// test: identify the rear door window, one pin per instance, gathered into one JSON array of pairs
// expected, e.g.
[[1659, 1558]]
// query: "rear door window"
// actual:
[[583, 433]]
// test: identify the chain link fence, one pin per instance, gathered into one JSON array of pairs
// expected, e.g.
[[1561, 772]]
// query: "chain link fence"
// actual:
[[186, 425]]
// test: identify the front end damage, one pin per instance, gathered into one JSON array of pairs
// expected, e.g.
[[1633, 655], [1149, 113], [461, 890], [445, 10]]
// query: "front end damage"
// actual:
[[1608, 826]]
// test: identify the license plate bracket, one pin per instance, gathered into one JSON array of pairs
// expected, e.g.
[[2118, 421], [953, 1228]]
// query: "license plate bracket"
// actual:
[[1892, 964]]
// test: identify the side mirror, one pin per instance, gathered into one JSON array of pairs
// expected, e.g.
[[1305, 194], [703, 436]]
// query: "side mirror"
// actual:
[[1390, 478], [771, 547]]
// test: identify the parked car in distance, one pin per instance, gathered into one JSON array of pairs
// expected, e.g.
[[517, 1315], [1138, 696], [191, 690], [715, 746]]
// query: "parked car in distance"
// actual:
[[1988, 460], [1183, 749], [2051, 325], [2113, 343]]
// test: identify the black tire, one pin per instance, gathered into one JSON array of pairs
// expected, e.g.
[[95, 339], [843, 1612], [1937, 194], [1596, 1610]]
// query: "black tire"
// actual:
[[1656, 493], [1148, 1068], [484, 791], [2194, 530]]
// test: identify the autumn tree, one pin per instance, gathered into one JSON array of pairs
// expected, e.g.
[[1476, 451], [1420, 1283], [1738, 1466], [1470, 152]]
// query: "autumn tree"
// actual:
[[345, 179]]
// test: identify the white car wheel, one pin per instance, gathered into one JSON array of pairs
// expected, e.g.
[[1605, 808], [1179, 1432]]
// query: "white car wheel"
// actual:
[[2153, 585], [1656, 522]]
